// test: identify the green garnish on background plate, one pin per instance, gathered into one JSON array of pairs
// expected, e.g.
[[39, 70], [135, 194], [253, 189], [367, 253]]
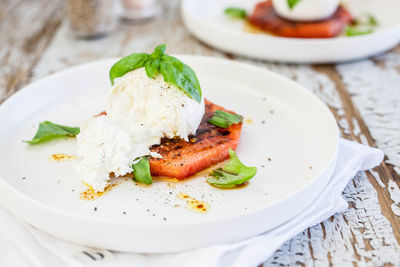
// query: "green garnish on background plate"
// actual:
[[235, 12], [354, 31], [292, 3], [173, 70], [372, 21], [233, 174], [361, 26], [48, 131]]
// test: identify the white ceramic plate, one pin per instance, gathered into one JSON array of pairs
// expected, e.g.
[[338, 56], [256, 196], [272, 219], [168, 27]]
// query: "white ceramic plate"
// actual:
[[284, 122], [206, 20]]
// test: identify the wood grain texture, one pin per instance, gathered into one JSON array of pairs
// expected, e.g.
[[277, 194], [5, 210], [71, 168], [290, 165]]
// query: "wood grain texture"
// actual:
[[26, 28], [361, 133], [364, 103]]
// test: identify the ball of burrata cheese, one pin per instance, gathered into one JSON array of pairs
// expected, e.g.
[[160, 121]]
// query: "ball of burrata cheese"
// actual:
[[139, 101], [140, 111]]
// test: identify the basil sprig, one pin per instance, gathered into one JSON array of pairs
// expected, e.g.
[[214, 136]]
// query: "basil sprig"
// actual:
[[292, 3], [361, 26], [141, 171], [173, 70], [224, 119], [235, 12], [372, 21], [233, 174], [354, 31], [48, 131]]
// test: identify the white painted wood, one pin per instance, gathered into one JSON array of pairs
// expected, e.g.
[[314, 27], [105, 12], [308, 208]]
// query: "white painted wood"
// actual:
[[376, 92], [24, 35], [375, 89]]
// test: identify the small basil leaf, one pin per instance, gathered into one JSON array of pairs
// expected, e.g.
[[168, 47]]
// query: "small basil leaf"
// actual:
[[48, 131], [218, 121], [152, 68], [225, 180], [361, 26], [181, 75], [354, 31], [127, 64], [224, 119], [234, 173], [141, 171], [159, 51], [235, 12], [372, 21], [292, 3], [234, 165]]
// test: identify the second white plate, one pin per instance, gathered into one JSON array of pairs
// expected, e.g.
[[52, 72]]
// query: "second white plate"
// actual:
[[288, 134], [206, 20]]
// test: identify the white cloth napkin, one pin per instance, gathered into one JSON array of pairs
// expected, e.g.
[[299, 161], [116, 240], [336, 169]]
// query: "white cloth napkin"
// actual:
[[23, 245]]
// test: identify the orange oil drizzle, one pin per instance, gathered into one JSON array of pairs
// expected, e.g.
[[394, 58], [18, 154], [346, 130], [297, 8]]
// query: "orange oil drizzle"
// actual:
[[90, 194], [194, 204], [59, 157], [248, 121]]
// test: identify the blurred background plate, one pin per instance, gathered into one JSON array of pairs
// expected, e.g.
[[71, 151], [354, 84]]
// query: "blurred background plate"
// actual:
[[288, 134], [206, 20]]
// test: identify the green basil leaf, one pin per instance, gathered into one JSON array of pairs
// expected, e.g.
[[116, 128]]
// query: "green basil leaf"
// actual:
[[152, 68], [233, 174], [234, 165], [126, 64], [361, 26], [141, 171], [48, 131], [354, 31], [224, 119], [292, 3], [181, 75], [225, 180], [159, 51], [235, 12], [372, 21]]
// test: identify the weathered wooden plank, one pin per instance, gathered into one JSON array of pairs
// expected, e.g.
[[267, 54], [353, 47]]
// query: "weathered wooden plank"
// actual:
[[25, 29], [358, 129], [377, 93], [7, 7]]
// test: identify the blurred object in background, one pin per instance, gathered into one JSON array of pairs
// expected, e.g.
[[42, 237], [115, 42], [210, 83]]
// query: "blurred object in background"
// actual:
[[90, 19], [138, 10]]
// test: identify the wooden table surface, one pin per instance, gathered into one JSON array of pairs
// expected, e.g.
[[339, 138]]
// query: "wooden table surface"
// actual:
[[364, 96]]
